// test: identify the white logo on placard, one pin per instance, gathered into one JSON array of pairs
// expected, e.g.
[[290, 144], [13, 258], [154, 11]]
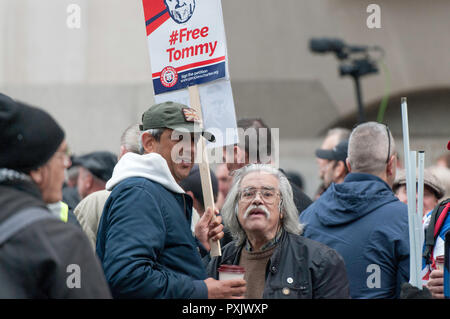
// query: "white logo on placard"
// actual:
[[169, 76], [180, 10]]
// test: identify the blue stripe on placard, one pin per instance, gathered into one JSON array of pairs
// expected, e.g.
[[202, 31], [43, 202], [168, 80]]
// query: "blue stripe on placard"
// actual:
[[192, 77]]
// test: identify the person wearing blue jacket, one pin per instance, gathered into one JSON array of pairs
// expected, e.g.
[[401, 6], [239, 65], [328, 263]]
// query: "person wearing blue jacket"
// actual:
[[144, 240], [363, 220]]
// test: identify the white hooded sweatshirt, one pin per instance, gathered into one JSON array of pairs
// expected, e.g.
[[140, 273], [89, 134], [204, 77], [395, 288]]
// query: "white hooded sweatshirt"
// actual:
[[151, 166]]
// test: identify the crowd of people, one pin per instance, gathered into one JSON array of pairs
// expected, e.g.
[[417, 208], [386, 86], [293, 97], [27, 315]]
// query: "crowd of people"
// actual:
[[136, 224]]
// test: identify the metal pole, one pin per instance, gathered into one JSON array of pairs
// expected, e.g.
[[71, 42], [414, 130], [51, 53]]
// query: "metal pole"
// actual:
[[419, 226], [362, 117], [411, 203]]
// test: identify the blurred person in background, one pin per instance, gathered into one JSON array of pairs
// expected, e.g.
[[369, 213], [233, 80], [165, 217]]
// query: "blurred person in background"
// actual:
[[89, 210], [333, 137], [70, 190], [444, 160], [296, 178], [443, 174], [249, 151], [335, 169], [224, 179], [433, 190], [95, 169]]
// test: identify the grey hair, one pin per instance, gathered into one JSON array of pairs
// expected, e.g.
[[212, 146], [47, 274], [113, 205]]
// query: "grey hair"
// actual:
[[155, 132], [368, 148], [130, 139], [290, 222]]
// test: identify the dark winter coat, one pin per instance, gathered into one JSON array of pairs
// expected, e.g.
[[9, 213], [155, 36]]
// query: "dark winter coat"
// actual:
[[298, 269], [144, 239], [37, 262], [368, 226]]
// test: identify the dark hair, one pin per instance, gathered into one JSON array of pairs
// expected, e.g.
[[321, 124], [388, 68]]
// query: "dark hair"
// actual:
[[256, 123], [193, 183]]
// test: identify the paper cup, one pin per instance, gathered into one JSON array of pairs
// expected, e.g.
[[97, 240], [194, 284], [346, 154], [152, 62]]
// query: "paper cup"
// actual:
[[440, 262], [227, 272]]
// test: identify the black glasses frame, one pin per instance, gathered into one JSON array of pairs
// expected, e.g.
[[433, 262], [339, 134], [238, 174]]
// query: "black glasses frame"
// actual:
[[389, 144]]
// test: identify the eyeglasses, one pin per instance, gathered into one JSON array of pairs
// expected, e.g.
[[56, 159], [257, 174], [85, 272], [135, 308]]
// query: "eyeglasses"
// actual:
[[268, 195], [389, 143], [64, 156]]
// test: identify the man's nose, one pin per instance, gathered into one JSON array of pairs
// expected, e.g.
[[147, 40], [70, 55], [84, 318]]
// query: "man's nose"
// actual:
[[257, 199]]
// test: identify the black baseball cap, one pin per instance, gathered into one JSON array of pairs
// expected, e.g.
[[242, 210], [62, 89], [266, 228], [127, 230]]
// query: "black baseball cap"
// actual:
[[338, 153], [100, 164]]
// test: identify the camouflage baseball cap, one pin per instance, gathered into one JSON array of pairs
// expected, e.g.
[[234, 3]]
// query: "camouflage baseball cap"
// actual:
[[175, 116]]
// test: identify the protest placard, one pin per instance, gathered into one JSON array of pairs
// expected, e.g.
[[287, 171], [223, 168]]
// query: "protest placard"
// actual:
[[187, 47], [186, 41], [218, 111]]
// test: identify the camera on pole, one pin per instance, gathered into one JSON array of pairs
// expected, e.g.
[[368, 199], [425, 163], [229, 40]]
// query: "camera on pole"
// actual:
[[355, 62]]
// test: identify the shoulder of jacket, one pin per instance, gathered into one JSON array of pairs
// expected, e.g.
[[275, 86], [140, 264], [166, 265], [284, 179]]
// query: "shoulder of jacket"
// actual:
[[52, 232], [229, 252], [315, 249], [133, 184]]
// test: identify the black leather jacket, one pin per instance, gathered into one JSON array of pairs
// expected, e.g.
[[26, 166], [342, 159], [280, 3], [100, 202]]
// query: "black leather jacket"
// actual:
[[299, 268]]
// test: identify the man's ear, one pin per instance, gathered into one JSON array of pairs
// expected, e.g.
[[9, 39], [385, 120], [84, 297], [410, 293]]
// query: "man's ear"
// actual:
[[123, 151], [348, 165], [148, 143], [391, 167], [339, 170], [37, 175], [88, 180]]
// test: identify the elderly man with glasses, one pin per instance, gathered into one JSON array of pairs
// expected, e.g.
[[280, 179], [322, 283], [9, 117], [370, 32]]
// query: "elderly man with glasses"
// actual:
[[261, 215], [362, 219]]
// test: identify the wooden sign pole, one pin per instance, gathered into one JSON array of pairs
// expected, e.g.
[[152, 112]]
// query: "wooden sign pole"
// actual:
[[205, 175]]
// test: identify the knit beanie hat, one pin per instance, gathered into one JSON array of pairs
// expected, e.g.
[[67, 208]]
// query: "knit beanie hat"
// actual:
[[28, 136]]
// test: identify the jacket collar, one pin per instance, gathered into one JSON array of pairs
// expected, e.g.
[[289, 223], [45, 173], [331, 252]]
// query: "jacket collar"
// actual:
[[357, 177], [20, 182], [151, 166]]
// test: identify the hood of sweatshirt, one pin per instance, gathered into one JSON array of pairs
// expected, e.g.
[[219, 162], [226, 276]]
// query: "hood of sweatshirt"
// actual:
[[357, 196], [151, 166]]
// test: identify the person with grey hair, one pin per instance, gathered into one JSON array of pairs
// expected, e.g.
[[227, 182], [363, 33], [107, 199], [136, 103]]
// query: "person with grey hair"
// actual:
[[261, 215], [129, 141], [89, 211], [362, 218]]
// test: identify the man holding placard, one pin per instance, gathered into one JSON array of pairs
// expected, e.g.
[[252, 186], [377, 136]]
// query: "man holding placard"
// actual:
[[144, 239], [187, 48]]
